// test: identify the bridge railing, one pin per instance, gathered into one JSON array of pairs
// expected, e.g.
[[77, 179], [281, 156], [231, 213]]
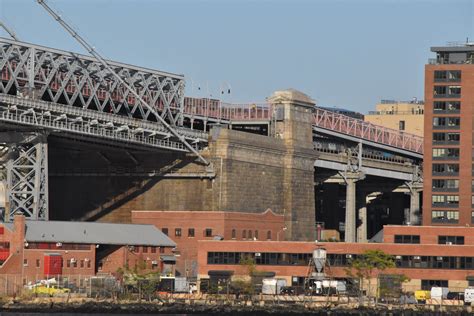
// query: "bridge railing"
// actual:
[[222, 111], [361, 129]]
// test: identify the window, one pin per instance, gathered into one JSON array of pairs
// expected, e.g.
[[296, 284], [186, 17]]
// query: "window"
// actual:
[[244, 234], [82, 263], [208, 232], [153, 249], [453, 137], [426, 285], [38, 264], [447, 75], [442, 184], [234, 234], [439, 121], [448, 169], [165, 231], [401, 125], [190, 232], [177, 232], [25, 262], [444, 217], [445, 200], [439, 137], [407, 239], [145, 249], [446, 153], [454, 75], [269, 235], [451, 240], [68, 263], [256, 234], [454, 121], [446, 106], [454, 90], [88, 263], [440, 75], [447, 91], [444, 122]]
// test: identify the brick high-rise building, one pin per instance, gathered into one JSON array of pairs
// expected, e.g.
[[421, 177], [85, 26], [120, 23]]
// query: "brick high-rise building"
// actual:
[[448, 149]]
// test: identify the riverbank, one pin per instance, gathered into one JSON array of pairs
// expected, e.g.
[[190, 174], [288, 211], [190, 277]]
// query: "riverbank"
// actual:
[[214, 306]]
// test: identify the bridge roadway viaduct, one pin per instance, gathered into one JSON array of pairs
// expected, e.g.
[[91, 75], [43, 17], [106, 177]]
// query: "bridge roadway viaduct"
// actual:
[[77, 146]]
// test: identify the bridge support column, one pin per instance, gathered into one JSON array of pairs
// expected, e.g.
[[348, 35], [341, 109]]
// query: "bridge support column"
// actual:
[[27, 181], [350, 178], [362, 206], [414, 215]]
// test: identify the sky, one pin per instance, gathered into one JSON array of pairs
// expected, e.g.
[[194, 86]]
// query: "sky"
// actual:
[[342, 53]]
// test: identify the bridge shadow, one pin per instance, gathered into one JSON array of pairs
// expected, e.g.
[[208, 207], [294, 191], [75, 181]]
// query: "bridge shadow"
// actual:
[[90, 182]]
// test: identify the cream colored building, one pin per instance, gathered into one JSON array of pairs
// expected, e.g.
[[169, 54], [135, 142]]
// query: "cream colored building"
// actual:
[[404, 116]]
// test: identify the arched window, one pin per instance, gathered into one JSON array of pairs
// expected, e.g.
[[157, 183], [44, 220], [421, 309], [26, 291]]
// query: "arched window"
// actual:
[[244, 234], [250, 234], [233, 233], [269, 235], [256, 234]]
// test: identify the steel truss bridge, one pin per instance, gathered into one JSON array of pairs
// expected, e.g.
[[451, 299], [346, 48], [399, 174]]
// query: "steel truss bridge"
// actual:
[[48, 91]]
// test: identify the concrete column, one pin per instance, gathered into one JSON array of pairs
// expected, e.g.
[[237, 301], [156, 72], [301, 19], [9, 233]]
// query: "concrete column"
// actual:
[[351, 177], [362, 228], [350, 225], [414, 207]]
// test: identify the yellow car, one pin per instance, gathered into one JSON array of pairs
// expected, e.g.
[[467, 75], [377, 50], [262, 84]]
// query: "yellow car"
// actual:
[[50, 290], [422, 296]]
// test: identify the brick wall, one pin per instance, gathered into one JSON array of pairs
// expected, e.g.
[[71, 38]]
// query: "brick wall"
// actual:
[[220, 223]]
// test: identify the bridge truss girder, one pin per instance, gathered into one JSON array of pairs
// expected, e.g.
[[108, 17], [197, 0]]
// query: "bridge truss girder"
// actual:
[[27, 182], [120, 130], [81, 81]]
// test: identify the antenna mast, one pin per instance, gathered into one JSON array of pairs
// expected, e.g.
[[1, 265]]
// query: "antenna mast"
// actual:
[[104, 63]]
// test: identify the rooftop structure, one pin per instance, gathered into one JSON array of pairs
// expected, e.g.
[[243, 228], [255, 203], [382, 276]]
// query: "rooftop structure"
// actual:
[[94, 233], [453, 53]]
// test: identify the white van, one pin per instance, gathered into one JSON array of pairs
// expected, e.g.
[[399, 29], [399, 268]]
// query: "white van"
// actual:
[[439, 293], [272, 286], [469, 295]]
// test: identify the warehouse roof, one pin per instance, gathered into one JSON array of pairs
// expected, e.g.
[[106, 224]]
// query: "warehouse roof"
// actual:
[[95, 233]]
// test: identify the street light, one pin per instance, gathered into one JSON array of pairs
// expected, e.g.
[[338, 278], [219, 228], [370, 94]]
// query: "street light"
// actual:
[[281, 230]]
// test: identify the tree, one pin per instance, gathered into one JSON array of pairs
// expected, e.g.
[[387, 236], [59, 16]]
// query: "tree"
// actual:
[[369, 265]]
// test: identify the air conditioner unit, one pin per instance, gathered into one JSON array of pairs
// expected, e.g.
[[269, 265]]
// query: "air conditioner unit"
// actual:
[[86, 259], [439, 258], [154, 262], [449, 243], [398, 257], [348, 256], [258, 254], [417, 257], [58, 244], [73, 260]]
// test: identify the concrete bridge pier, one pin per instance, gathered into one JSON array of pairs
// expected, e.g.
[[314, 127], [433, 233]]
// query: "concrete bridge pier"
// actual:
[[362, 211], [350, 178], [414, 214]]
